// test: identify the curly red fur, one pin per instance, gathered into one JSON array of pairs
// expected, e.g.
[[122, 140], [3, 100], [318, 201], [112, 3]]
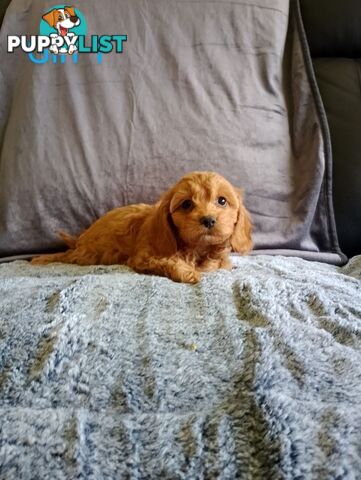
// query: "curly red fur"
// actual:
[[168, 238]]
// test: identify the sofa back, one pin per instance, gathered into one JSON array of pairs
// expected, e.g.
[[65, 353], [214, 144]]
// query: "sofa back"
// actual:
[[334, 35]]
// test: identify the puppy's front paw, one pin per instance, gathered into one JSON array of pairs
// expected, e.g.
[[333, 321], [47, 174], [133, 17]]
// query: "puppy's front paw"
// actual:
[[186, 276], [192, 277], [226, 264]]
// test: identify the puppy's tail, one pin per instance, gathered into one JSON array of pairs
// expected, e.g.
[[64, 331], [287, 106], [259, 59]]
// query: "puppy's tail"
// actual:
[[63, 257], [68, 239]]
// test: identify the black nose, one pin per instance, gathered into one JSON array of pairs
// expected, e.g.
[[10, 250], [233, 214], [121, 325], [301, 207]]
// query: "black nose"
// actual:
[[208, 222], [74, 19]]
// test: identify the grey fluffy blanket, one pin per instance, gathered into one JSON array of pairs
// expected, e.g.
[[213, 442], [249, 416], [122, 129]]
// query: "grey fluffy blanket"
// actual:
[[254, 373]]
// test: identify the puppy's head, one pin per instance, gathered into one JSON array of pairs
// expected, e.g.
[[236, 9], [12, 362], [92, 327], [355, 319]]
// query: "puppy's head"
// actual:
[[204, 209], [62, 19]]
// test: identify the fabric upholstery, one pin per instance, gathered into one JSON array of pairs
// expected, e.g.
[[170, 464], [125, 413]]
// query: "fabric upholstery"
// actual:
[[333, 27], [334, 36]]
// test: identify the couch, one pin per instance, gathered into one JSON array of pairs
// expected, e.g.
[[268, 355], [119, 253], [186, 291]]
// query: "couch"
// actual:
[[253, 372], [334, 37]]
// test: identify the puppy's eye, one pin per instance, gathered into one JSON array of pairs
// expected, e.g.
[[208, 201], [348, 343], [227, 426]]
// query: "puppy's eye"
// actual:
[[67, 15], [222, 201], [60, 18], [187, 204]]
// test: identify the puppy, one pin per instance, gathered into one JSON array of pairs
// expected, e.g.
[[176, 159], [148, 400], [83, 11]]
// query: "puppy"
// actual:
[[62, 19], [191, 230]]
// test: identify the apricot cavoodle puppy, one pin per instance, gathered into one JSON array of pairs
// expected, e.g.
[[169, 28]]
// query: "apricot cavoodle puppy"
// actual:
[[192, 229]]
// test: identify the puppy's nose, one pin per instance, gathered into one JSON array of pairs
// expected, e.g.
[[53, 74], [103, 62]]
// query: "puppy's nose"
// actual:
[[74, 19], [208, 222]]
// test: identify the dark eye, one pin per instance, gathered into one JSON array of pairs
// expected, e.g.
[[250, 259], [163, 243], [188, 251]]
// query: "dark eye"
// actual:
[[222, 201], [187, 204]]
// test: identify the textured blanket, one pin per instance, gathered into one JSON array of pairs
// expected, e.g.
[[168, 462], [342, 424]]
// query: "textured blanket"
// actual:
[[252, 374]]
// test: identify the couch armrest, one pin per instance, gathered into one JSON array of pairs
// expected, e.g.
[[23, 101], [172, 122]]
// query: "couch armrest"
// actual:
[[333, 27], [3, 6], [334, 35]]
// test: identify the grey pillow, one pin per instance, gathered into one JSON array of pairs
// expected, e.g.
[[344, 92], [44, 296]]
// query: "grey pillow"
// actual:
[[200, 86]]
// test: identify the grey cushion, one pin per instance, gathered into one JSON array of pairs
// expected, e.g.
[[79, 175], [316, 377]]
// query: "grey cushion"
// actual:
[[199, 87]]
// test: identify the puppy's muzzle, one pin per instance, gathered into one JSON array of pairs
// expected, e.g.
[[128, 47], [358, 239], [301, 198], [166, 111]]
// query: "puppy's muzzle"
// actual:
[[208, 222]]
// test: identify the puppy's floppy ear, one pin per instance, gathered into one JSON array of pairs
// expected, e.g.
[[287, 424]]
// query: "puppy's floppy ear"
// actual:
[[70, 10], [50, 17], [163, 237], [241, 239]]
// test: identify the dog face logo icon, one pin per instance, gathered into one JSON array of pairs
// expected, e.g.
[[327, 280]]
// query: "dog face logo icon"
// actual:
[[63, 30], [62, 20]]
